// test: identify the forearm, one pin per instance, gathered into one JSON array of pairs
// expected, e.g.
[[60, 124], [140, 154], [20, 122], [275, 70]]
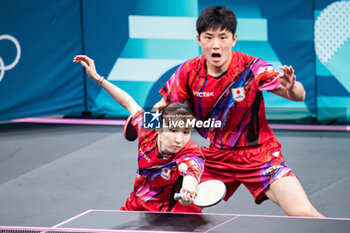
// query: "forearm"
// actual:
[[123, 98], [189, 185], [297, 93]]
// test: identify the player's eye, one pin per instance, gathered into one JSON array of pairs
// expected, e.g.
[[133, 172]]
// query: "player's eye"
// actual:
[[187, 131]]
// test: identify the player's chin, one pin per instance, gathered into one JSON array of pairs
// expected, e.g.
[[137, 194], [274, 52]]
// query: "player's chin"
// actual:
[[216, 62], [175, 149]]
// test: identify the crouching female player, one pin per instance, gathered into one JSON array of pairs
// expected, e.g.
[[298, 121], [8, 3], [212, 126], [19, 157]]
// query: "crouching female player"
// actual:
[[160, 153]]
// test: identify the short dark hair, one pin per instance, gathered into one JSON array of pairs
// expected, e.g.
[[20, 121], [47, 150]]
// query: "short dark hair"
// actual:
[[217, 17], [175, 111]]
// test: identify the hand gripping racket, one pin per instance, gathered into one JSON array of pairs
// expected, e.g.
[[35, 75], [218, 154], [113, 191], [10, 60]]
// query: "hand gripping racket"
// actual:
[[130, 133], [209, 193]]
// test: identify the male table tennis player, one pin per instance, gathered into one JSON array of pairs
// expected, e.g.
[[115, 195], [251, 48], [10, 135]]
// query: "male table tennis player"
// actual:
[[227, 85], [160, 153]]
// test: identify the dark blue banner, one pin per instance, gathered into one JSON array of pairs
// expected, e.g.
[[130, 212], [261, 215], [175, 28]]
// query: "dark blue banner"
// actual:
[[45, 36]]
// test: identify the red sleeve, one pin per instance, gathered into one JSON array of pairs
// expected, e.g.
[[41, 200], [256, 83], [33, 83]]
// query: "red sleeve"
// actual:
[[192, 156], [137, 120], [267, 76], [175, 89]]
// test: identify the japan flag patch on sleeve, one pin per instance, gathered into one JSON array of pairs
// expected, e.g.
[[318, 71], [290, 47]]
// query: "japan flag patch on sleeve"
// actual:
[[238, 94]]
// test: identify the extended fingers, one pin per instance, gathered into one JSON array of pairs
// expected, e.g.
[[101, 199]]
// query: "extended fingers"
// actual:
[[84, 58], [78, 58], [287, 69], [83, 63]]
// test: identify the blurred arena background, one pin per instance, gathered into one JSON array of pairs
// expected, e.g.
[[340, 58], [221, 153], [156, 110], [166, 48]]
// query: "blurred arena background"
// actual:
[[137, 44]]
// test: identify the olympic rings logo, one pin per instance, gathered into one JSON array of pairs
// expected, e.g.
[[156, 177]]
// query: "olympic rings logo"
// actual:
[[3, 67]]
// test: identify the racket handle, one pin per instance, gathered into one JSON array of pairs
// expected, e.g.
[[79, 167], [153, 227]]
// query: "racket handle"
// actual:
[[177, 196]]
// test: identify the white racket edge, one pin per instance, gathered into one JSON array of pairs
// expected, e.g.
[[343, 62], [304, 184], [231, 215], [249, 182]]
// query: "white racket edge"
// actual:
[[209, 193]]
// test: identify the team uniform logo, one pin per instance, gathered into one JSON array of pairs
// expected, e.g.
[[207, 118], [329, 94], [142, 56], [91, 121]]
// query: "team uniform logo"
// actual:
[[165, 174], [151, 120], [271, 170], [238, 94], [203, 94]]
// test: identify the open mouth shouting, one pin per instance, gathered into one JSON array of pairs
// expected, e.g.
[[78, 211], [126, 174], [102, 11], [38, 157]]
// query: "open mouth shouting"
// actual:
[[216, 57]]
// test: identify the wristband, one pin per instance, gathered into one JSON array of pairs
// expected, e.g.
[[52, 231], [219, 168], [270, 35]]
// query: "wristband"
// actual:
[[101, 80]]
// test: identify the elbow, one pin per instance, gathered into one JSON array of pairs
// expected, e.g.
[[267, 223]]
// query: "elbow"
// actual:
[[300, 99], [300, 92], [133, 108], [297, 94]]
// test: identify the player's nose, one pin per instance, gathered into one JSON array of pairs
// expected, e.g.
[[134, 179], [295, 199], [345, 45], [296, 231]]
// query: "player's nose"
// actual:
[[216, 43], [178, 137]]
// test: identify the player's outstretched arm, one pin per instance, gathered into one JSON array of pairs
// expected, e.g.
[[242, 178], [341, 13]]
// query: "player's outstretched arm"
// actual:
[[123, 98], [290, 89]]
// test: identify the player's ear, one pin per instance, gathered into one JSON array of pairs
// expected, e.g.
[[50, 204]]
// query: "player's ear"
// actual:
[[234, 40], [199, 39]]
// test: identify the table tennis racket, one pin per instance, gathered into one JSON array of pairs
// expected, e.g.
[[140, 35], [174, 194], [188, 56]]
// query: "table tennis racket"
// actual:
[[130, 133], [209, 193]]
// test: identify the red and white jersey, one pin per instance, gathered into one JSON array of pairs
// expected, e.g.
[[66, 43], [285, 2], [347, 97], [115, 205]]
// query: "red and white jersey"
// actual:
[[234, 98], [157, 179]]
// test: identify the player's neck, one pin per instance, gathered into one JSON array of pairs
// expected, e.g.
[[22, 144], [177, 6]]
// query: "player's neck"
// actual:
[[162, 156]]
